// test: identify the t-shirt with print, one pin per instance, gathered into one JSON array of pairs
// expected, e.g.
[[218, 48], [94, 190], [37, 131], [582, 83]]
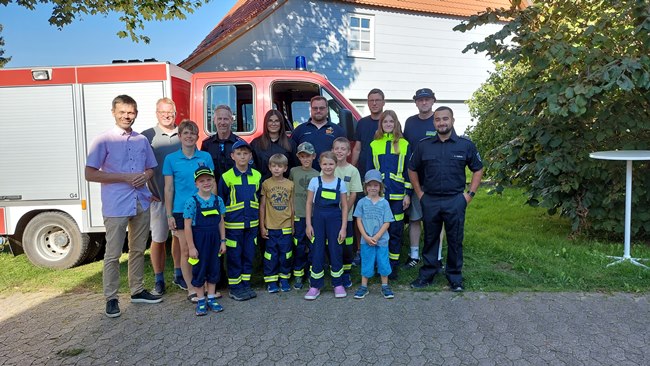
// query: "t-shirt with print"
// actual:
[[189, 208], [373, 216], [300, 179], [279, 203], [350, 175]]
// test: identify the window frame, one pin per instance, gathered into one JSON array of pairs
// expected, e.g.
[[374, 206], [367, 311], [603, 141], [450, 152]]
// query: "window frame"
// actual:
[[371, 42]]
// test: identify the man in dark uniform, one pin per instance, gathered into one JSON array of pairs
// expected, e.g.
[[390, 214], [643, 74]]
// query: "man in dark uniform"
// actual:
[[220, 144], [437, 172]]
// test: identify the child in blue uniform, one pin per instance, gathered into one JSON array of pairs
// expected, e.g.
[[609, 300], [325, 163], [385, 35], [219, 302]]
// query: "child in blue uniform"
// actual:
[[203, 212], [390, 154], [327, 212], [239, 188], [373, 219]]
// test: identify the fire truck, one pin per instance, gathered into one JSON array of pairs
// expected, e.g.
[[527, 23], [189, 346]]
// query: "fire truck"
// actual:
[[50, 115]]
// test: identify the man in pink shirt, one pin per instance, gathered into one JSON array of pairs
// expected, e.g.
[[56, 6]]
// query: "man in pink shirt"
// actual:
[[122, 161]]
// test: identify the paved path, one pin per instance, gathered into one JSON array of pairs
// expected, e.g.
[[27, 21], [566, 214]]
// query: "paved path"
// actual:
[[416, 328]]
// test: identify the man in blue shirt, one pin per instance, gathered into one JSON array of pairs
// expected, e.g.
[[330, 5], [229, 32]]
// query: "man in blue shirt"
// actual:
[[365, 131], [416, 128], [437, 172], [318, 130]]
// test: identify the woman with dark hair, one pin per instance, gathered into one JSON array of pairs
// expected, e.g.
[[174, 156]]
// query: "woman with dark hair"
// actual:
[[274, 140]]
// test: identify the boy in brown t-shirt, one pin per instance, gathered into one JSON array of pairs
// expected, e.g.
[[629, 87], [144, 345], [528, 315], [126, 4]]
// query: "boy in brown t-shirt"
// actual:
[[276, 225]]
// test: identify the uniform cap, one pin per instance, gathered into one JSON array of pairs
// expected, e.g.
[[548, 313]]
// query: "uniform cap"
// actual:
[[306, 147], [424, 93], [241, 143], [372, 174], [202, 170]]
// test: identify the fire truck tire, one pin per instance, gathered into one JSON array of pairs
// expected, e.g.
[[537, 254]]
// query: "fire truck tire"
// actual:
[[95, 246], [53, 240]]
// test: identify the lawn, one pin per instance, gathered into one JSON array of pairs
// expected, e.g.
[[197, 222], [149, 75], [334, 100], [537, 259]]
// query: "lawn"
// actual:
[[508, 247]]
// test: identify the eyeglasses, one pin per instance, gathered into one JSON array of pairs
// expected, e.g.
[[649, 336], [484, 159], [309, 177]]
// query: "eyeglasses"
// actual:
[[162, 113], [318, 108]]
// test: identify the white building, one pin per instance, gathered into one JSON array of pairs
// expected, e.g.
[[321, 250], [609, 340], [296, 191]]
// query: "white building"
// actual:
[[398, 46]]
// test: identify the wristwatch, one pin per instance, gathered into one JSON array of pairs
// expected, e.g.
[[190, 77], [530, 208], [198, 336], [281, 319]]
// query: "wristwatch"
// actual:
[[471, 194]]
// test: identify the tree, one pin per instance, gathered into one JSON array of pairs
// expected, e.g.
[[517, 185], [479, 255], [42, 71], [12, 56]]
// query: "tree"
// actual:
[[3, 60], [133, 13], [579, 82]]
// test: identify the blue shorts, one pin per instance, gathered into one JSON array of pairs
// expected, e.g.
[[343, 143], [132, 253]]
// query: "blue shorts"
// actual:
[[371, 255]]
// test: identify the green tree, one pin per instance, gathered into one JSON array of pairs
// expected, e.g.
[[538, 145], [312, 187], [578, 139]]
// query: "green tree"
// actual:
[[579, 82], [3, 60], [133, 13]]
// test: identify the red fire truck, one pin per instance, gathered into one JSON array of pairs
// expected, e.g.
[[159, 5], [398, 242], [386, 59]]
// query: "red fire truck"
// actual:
[[50, 115]]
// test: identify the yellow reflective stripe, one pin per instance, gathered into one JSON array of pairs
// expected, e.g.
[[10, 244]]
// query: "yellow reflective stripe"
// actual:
[[231, 243], [273, 278], [267, 256], [396, 197], [285, 276], [296, 218], [234, 225], [298, 273], [393, 256], [347, 267], [397, 178], [254, 223], [349, 240], [315, 275], [288, 255], [255, 240], [399, 217], [286, 230], [328, 195], [408, 185], [210, 212], [255, 204], [336, 274], [234, 281], [295, 241], [235, 207], [246, 276]]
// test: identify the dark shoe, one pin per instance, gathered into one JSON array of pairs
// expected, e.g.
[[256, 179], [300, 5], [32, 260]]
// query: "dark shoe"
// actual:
[[251, 293], [272, 288], [346, 280], [180, 282], [146, 297], [387, 292], [113, 309], [159, 288], [361, 292], [393, 273], [284, 285], [456, 287], [297, 284], [411, 263], [420, 283], [193, 298], [214, 305], [201, 307], [239, 294], [357, 260]]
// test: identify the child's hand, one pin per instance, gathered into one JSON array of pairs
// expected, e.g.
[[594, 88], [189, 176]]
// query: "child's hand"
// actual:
[[264, 232], [194, 253], [222, 248], [309, 231], [341, 236], [369, 240]]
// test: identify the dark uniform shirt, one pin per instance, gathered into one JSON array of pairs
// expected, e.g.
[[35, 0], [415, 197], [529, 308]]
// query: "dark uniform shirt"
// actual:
[[322, 138], [220, 151], [364, 134], [261, 157], [441, 164], [415, 129]]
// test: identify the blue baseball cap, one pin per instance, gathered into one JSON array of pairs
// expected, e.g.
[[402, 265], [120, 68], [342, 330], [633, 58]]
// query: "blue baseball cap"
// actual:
[[424, 93], [372, 174], [241, 143]]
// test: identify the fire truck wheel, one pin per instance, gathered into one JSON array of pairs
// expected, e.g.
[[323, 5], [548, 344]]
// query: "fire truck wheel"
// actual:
[[53, 240]]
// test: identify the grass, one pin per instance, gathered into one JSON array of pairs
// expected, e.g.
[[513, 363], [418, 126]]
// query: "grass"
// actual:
[[508, 247]]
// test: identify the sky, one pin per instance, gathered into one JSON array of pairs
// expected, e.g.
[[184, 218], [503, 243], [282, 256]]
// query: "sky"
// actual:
[[30, 40]]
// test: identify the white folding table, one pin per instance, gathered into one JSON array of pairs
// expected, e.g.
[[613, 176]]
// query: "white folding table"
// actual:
[[629, 156]]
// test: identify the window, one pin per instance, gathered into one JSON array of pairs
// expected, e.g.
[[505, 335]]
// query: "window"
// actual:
[[361, 36], [239, 97]]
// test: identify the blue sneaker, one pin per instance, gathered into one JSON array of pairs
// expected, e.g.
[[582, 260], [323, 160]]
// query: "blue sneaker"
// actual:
[[361, 292], [284, 285], [387, 292], [201, 308], [297, 283], [180, 282], [158, 288], [214, 305], [346, 280], [357, 260], [273, 287]]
